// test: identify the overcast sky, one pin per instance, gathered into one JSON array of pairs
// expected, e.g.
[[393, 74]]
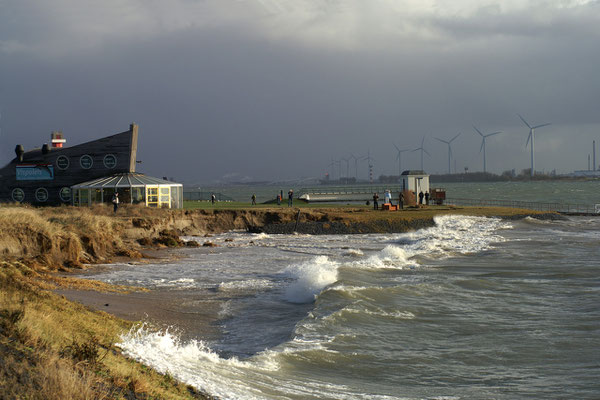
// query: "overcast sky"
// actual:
[[274, 89]]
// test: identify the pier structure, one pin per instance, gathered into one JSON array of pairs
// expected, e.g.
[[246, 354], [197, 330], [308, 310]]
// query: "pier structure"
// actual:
[[355, 193], [413, 181]]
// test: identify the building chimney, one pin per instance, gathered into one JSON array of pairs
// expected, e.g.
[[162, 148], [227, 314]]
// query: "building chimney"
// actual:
[[45, 148], [589, 167], [19, 150], [594, 158], [57, 139]]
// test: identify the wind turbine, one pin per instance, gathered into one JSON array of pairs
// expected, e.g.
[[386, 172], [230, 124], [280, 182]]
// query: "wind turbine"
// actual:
[[422, 151], [339, 165], [483, 143], [448, 142], [347, 161], [332, 165], [532, 137], [356, 160], [399, 158]]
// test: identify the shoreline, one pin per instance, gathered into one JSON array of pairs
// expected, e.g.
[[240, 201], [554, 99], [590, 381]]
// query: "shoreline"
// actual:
[[45, 310]]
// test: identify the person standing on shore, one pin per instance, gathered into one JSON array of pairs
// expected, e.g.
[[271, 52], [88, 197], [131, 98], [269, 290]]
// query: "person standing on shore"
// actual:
[[427, 198], [401, 201], [375, 204], [290, 198], [115, 201], [421, 195], [278, 199], [212, 198], [253, 199]]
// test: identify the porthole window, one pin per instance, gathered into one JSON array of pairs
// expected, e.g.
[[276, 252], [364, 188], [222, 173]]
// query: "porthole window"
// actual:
[[41, 195], [110, 161], [86, 161], [65, 194], [62, 162], [18, 195]]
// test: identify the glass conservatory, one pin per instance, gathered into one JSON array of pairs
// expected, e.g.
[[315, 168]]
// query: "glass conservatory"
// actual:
[[133, 188]]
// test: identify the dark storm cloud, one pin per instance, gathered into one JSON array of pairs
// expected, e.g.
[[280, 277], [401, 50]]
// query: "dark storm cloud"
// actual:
[[275, 89]]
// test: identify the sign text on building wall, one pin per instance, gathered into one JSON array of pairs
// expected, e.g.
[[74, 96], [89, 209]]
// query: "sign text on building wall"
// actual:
[[35, 172]]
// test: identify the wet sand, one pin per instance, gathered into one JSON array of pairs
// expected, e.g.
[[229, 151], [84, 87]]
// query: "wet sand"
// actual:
[[194, 314]]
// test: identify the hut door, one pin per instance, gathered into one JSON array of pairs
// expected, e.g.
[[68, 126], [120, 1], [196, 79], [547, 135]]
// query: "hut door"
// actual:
[[151, 196]]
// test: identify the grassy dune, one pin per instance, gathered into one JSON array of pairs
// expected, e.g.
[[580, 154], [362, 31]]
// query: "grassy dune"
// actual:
[[51, 348]]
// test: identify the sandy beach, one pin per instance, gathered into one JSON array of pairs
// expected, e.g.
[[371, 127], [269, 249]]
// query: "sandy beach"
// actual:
[[192, 313]]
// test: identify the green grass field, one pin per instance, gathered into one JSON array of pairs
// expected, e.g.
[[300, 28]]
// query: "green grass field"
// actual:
[[235, 205]]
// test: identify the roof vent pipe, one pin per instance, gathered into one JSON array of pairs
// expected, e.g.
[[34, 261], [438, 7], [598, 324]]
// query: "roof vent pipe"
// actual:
[[19, 150]]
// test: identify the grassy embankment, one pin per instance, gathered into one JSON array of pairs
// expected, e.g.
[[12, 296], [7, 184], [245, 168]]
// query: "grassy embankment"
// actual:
[[51, 348]]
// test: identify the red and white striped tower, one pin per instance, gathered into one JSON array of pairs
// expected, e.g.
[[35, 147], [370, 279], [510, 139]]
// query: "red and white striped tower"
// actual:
[[57, 139]]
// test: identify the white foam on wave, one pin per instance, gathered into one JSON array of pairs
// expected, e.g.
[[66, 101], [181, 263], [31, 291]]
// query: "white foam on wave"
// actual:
[[194, 363], [390, 257], [454, 234], [181, 283], [451, 235], [247, 284], [354, 253], [311, 277]]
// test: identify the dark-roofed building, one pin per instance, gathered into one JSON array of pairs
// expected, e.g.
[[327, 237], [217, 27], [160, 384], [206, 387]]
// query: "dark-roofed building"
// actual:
[[46, 176]]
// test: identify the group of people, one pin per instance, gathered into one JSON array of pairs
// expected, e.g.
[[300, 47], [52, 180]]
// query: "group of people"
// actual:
[[279, 198], [388, 199], [213, 198], [426, 196]]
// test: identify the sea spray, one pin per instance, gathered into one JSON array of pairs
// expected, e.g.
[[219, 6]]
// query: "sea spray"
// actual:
[[311, 278], [454, 235], [194, 363]]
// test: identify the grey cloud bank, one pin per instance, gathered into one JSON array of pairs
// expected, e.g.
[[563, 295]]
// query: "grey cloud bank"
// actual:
[[275, 89]]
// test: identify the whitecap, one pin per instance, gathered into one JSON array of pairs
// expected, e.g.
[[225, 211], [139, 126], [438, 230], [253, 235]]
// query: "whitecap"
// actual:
[[310, 278]]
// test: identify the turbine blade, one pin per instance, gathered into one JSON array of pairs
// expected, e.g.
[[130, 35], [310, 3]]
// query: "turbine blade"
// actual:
[[441, 140], [454, 137], [539, 126], [525, 122], [423, 141], [478, 131], [492, 134], [528, 137], [482, 144], [396, 146], [425, 151]]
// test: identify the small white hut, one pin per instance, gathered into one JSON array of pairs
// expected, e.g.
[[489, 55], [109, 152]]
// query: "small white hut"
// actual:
[[415, 181]]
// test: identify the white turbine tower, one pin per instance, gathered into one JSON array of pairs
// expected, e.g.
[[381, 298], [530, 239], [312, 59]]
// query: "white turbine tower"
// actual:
[[532, 138], [422, 151], [449, 142], [399, 158], [332, 165], [483, 137], [356, 160], [347, 161]]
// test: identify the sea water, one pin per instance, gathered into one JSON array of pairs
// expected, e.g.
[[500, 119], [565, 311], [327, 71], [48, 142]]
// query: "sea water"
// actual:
[[473, 308]]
